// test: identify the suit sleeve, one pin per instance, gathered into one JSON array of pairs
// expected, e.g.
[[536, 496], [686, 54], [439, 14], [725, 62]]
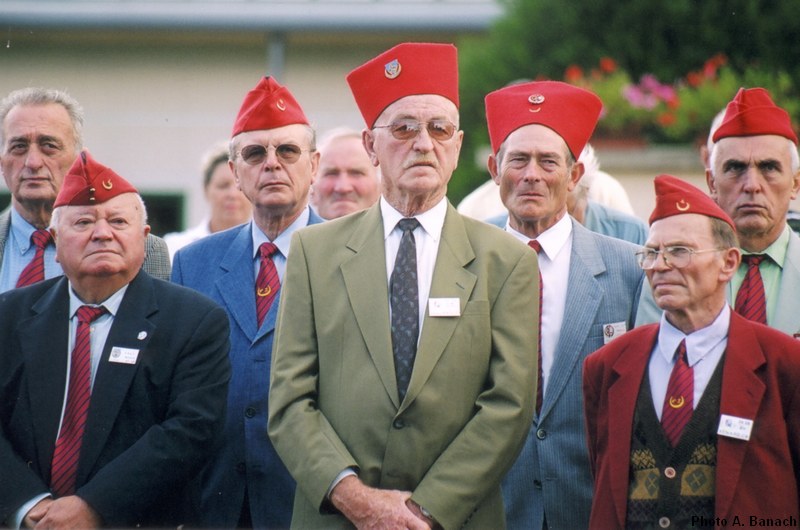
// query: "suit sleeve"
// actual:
[[164, 458], [591, 399], [156, 259], [475, 461], [296, 426]]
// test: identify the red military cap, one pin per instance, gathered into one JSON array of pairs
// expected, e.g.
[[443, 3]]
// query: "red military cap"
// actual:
[[268, 106], [89, 182], [408, 69], [675, 196], [751, 113], [570, 111]]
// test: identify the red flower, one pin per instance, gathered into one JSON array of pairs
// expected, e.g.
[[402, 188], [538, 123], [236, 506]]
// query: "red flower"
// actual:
[[665, 119], [608, 65], [573, 73], [695, 79]]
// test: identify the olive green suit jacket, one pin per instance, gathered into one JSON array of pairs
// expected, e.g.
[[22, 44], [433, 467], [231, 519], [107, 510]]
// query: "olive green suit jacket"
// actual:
[[334, 402]]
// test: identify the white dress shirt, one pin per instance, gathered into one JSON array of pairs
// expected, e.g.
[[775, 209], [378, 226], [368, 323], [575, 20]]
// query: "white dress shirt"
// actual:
[[554, 261], [282, 242]]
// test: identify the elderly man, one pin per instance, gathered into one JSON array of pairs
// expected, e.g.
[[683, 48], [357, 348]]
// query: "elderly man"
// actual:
[[590, 288], [111, 433], [686, 418], [274, 161], [41, 136], [403, 370], [753, 174], [348, 181]]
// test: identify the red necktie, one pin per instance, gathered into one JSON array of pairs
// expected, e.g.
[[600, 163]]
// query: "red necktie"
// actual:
[[34, 271], [679, 401], [267, 282], [751, 301], [539, 378], [68, 445]]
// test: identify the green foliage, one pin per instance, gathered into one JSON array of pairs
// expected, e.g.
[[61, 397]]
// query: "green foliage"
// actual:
[[540, 39]]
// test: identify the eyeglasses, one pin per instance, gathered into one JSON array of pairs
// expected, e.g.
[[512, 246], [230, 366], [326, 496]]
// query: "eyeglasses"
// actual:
[[255, 154], [677, 257], [406, 129]]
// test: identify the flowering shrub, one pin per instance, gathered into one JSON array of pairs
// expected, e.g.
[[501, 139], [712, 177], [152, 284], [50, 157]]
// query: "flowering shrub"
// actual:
[[681, 111]]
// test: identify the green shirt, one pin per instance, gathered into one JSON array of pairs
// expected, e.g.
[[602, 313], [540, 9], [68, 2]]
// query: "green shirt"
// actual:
[[770, 270]]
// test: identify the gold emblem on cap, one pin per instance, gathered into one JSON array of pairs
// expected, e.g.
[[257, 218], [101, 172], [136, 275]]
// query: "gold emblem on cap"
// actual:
[[682, 205], [107, 184], [281, 105], [392, 69], [264, 291], [535, 99], [676, 402]]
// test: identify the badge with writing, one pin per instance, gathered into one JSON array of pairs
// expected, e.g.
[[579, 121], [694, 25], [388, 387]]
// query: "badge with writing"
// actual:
[[123, 355], [612, 331], [444, 307], [735, 427]]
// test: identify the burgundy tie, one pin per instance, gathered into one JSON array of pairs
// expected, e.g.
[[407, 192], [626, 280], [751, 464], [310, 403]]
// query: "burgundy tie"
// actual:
[[751, 301], [679, 401], [539, 378], [34, 271], [267, 282], [68, 445]]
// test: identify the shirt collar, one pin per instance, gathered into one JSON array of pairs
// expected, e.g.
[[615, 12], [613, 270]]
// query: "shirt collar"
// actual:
[[22, 230], [284, 239], [111, 303], [431, 220], [777, 250], [552, 240], [699, 343]]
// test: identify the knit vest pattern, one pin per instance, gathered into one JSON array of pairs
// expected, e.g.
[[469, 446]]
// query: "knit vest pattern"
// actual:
[[668, 486]]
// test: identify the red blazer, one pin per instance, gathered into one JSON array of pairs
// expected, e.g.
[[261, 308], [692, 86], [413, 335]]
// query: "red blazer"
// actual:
[[760, 381]]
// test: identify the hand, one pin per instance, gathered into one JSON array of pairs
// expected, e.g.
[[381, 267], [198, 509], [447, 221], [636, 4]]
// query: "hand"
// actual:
[[68, 512], [374, 509], [36, 513]]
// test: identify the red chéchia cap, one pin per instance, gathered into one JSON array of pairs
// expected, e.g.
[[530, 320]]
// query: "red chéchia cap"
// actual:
[[675, 197], [268, 106], [408, 69], [752, 113], [89, 182], [570, 111]]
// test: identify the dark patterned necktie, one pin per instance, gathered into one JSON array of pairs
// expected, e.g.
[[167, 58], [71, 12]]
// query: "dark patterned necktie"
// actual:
[[679, 401], [68, 445], [751, 301], [267, 281], [539, 378], [405, 305], [34, 271]]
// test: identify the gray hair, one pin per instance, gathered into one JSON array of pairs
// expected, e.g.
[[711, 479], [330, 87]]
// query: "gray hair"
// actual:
[[36, 96], [56, 216], [790, 145]]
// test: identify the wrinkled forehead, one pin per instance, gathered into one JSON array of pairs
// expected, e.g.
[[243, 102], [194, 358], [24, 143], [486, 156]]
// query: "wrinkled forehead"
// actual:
[[690, 230], [421, 107], [124, 204], [759, 147]]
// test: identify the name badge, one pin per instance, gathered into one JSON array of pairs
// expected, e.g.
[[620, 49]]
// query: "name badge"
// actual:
[[733, 427], [123, 355], [444, 307], [612, 331]]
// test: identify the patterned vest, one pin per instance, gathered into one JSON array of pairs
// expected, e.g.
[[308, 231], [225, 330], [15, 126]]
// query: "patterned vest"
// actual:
[[668, 486]]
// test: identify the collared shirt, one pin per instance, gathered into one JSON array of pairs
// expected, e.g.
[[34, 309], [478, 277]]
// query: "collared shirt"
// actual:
[[98, 334], [704, 349], [426, 236], [770, 269], [554, 263], [19, 252], [282, 242]]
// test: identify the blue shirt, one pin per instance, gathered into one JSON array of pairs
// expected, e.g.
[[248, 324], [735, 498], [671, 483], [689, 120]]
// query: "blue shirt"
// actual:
[[19, 252]]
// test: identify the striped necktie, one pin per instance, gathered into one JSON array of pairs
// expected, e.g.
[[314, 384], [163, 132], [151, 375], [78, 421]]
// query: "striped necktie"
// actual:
[[267, 281], [34, 271], [679, 401], [751, 301]]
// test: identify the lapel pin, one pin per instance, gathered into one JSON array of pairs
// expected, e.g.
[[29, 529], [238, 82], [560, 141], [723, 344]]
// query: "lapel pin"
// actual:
[[142, 335]]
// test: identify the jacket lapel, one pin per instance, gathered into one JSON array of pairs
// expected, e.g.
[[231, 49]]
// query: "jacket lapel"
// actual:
[[367, 288], [237, 284], [586, 262], [629, 368], [788, 303], [450, 280], [742, 392], [44, 343], [131, 329]]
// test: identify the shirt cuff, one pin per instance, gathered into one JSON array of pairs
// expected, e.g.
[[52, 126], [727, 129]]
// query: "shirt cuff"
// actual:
[[17, 517], [341, 476]]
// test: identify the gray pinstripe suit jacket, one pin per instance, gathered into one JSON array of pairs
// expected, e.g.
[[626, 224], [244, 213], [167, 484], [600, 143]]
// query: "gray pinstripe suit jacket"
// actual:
[[551, 476], [156, 257]]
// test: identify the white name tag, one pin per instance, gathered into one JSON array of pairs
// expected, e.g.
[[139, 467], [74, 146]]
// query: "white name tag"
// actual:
[[444, 307], [123, 355], [612, 331], [733, 427]]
